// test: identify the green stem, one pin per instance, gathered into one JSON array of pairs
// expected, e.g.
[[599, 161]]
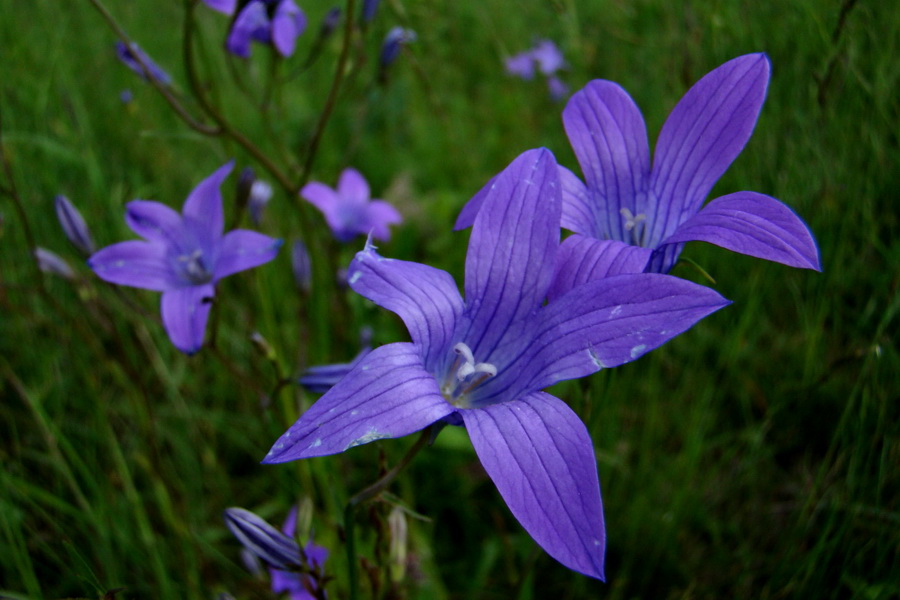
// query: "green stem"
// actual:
[[332, 97], [369, 493], [164, 90]]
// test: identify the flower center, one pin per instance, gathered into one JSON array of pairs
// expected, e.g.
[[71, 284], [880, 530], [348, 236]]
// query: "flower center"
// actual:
[[464, 376], [194, 268], [634, 224]]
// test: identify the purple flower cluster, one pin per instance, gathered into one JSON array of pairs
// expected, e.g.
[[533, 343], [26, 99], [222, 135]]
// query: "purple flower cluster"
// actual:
[[544, 57]]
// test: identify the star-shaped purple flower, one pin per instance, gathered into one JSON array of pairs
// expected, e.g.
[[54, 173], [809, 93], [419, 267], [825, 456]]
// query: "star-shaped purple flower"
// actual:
[[657, 209], [348, 210], [481, 362], [183, 257], [276, 22]]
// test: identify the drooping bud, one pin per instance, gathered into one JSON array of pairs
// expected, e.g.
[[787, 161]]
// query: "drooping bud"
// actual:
[[260, 194], [74, 226], [370, 7], [393, 42], [50, 262], [263, 540], [136, 60], [330, 22]]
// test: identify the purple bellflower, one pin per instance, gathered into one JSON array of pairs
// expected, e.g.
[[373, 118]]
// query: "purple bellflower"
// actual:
[[276, 22], [631, 212], [132, 56], [481, 362], [348, 210], [183, 256]]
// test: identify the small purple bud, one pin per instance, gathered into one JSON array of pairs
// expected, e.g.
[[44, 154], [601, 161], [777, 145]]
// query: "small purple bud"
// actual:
[[52, 263], [558, 89], [133, 56], [301, 264], [74, 226], [125, 96], [370, 7], [260, 194], [270, 545], [330, 22], [393, 41]]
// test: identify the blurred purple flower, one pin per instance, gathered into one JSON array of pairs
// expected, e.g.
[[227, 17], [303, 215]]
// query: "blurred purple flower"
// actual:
[[183, 257], [548, 57], [481, 362], [521, 65], [52, 263], [125, 96], [393, 42], [330, 22], [633, 214], [133, 56], [348, 210], [276, 22], [545, 57], [73, 225]]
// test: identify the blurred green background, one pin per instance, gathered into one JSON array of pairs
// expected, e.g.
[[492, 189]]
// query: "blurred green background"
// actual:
[[755, 456]]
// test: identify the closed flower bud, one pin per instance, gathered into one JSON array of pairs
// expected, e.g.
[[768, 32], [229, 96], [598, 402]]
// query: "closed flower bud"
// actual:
[[49, 262], [399, 543], [302, 267], [74, 226], [270, 545]]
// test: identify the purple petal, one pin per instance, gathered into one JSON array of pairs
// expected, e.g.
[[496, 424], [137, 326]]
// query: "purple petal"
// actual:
[[540, 457], [223, 6], [608, 322], [243, 249], [325, 199], [706, 131], [204, 204], [184, 314], [577, 209], [426, 298], [154, 221], [287, 25], [380, 214], [512, 249], [582, 259], [353, 186], [137, 264], [470, 210], [521, 65], [609, 137], [251, 23], [752, 224], [389, 394]]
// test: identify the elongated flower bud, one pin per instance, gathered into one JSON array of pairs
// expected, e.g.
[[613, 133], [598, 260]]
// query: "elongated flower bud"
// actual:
[[133, 57], [263, 540], [399, 542], [74, 226], [302, 266], [50, 262]]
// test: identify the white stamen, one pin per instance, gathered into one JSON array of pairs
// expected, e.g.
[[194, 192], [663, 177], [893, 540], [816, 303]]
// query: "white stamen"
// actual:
[[465, 351], [631, 220]]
